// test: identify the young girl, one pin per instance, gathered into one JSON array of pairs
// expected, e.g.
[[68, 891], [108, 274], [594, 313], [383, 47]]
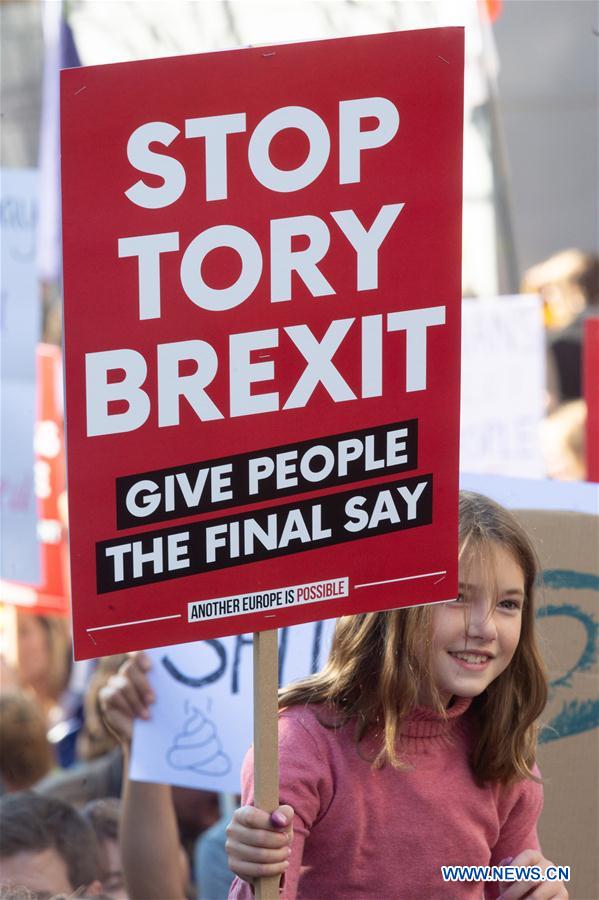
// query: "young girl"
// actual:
[[414, 748]]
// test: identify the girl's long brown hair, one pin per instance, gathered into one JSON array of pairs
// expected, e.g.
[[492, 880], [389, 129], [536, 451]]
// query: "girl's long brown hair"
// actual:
[[379, 665]]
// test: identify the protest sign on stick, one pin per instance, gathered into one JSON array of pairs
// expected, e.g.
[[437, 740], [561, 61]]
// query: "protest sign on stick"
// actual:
[[262, 301], [262, 313]]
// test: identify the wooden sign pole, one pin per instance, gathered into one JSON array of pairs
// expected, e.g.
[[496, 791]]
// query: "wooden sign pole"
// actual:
[[266, 750]]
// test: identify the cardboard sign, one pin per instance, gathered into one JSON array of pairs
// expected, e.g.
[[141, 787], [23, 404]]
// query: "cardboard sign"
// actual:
[[569, 624], [567, 545], [562, 518], [50, 595], [262, 302]]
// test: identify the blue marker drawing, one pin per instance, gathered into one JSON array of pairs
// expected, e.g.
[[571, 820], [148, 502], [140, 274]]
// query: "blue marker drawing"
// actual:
[[198, 747], [189, 680], [575, 716]]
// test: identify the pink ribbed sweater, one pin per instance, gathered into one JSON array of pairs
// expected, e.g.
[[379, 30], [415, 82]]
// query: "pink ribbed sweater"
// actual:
[[383, 834]]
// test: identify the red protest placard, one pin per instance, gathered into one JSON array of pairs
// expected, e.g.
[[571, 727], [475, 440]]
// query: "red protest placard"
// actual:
[[50, 596], [262, 301], [590, 357]]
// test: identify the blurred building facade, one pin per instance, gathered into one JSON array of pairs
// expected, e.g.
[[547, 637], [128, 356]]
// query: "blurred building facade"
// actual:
[[549, 92], [542, 135]]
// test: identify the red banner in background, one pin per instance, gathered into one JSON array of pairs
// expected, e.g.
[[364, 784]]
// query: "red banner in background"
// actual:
[[50, 597], [590, 362]]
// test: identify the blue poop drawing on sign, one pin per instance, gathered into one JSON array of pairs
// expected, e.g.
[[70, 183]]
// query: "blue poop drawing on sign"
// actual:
[[575, 716], [198, 747]]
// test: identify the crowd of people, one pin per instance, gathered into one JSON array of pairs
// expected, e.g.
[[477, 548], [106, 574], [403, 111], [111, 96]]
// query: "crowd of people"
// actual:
[[415, 746]]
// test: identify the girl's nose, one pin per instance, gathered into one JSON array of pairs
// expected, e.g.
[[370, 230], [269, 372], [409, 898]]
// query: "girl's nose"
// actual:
[[481, 624]]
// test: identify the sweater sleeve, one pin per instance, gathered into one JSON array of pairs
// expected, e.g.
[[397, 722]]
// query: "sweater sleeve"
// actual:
[[519, 806], [305, 783]]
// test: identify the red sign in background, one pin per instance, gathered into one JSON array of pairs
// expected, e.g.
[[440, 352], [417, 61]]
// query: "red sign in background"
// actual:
[[50, 596], [262, 335], [591, 393]]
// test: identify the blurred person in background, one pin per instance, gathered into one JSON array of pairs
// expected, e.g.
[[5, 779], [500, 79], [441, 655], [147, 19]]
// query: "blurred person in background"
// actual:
[[98, 772], [194, 811], [568, 284], [94, 739], [98, 769], [44, 655], [210, 860], [26, 755], [18, 893], [44, 660], [563, 442], [104, 816], [47, 847]]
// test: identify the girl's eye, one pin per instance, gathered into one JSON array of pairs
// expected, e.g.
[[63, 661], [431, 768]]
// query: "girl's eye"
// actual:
[[510, 604], [461, 598]]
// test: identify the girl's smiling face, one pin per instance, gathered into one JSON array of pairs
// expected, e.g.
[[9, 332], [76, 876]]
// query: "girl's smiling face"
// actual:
[[475, 637]]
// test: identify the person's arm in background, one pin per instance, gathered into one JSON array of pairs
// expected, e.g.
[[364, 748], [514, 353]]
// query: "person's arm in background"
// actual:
[[149, 838]]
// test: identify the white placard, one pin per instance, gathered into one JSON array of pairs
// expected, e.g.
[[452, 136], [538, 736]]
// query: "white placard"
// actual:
[[535, 493], [201, 725], [503, 386], [19, 334]]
